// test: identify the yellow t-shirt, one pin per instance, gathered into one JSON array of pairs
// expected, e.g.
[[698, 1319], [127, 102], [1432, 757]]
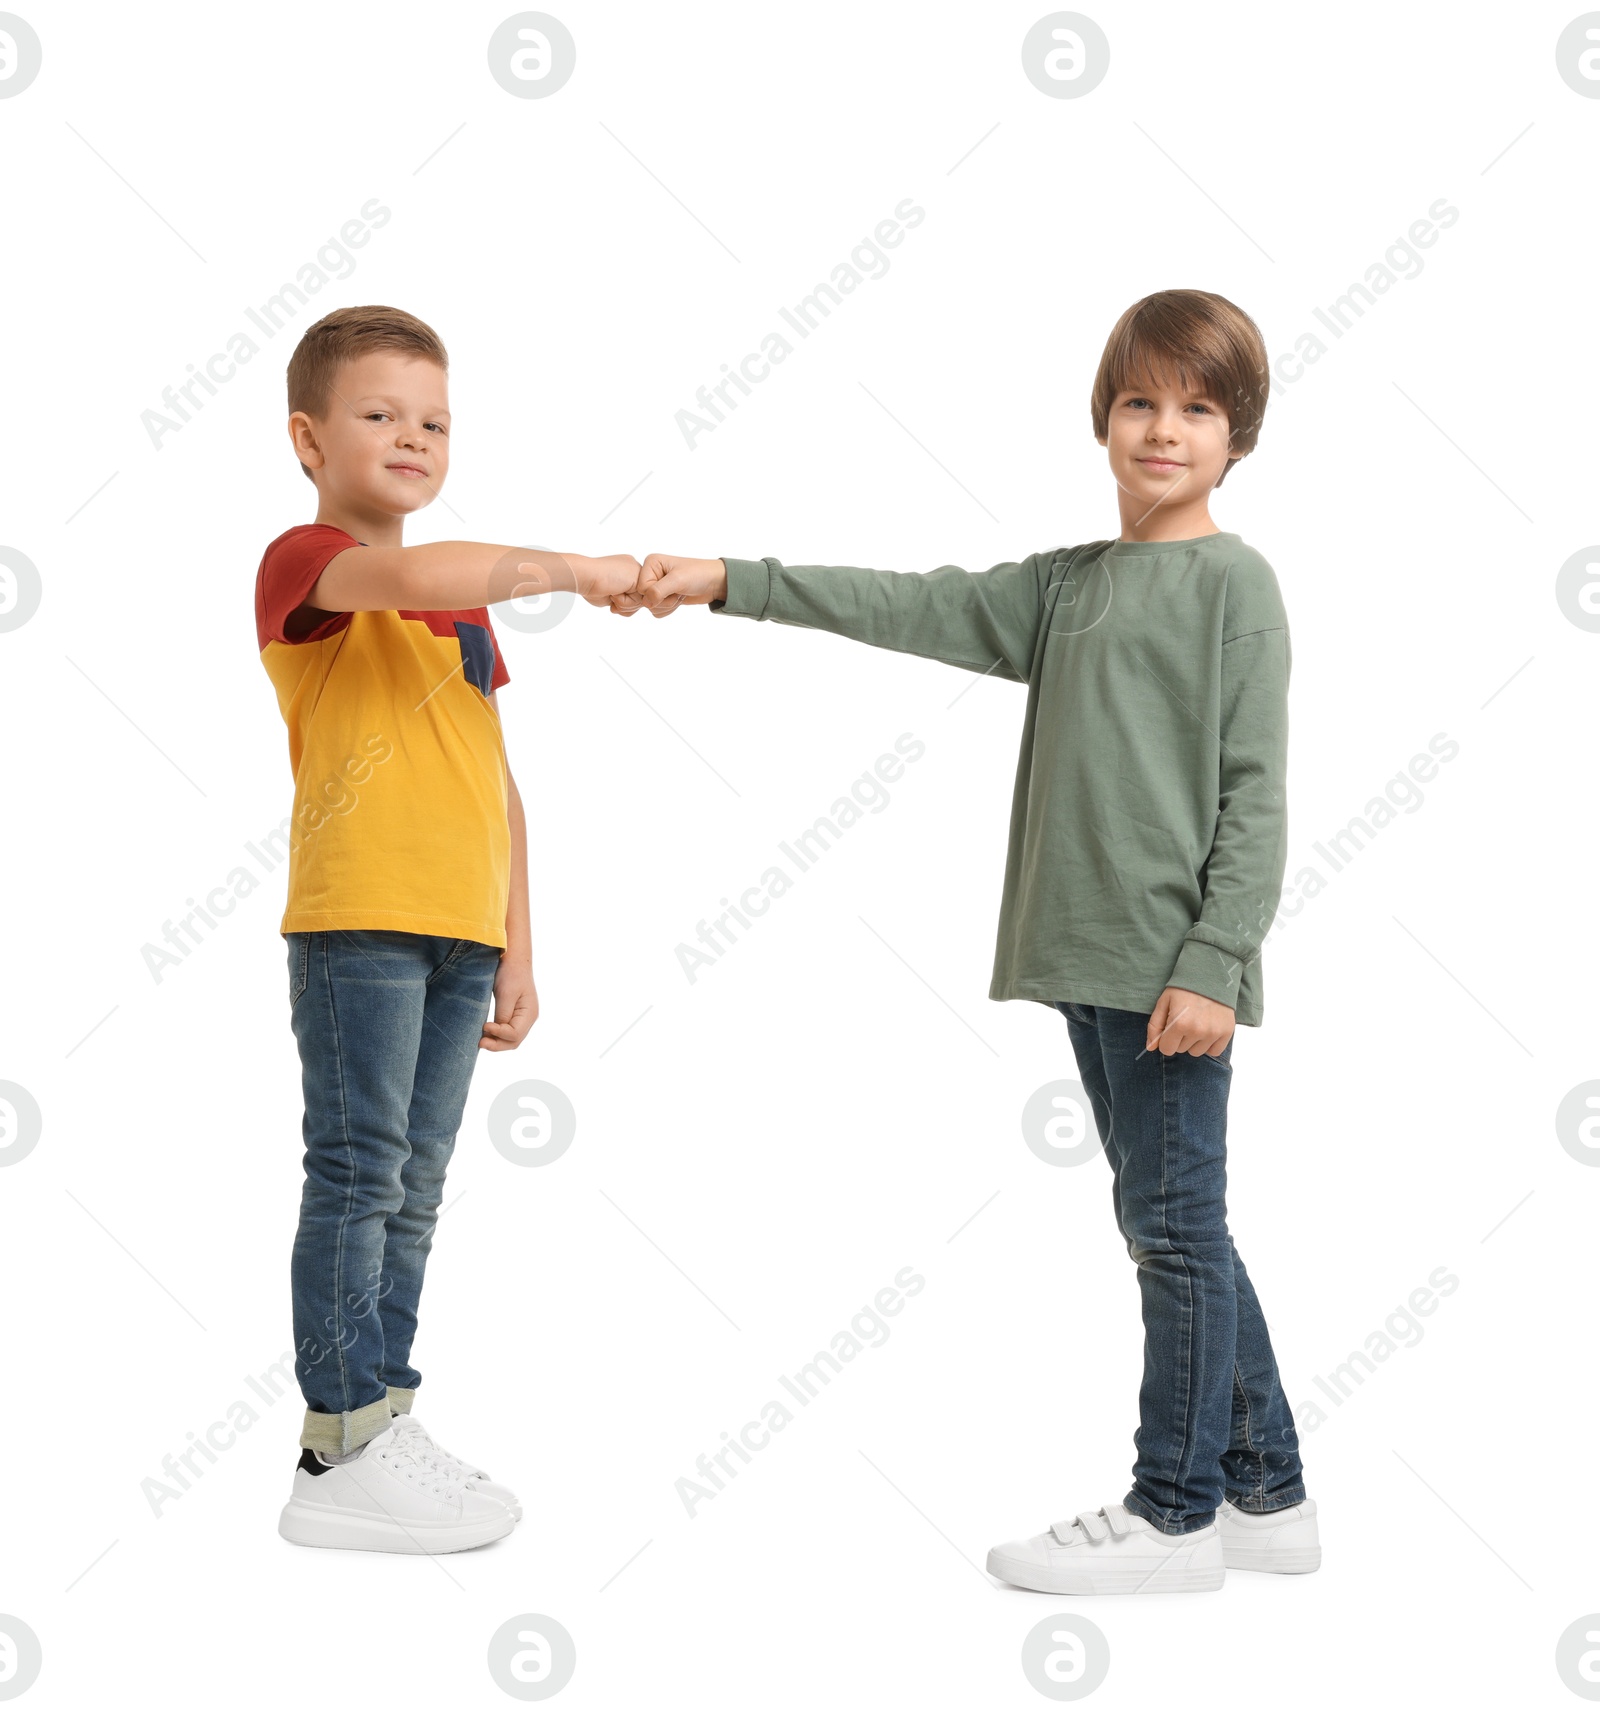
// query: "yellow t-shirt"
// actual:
[[399, 766]]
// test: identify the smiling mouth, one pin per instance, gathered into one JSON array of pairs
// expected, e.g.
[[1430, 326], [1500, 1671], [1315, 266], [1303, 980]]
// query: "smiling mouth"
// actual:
[[408, 469]]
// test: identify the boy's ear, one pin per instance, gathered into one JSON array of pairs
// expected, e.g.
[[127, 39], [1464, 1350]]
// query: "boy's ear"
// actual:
[[303, 438]]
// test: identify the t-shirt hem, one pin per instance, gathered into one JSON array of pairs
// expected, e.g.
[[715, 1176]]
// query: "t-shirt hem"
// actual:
[[407, 922], [1081, 993]]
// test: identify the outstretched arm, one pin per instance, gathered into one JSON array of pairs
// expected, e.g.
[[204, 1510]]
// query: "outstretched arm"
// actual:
[[984, 621], [439, 576]]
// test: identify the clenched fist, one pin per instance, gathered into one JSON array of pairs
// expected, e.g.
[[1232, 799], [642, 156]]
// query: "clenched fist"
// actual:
[[668, 580]]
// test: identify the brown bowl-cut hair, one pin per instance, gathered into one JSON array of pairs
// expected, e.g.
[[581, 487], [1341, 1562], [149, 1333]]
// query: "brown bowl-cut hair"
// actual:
[[1208, 343], [344, 334]]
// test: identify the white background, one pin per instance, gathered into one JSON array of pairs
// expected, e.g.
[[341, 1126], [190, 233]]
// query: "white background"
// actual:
[[836, 1098]]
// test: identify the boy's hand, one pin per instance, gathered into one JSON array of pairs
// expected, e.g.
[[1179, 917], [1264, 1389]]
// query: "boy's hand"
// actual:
[[516, 1005], [628, 602], [1188, 1023], [601, 581], [666, 580]]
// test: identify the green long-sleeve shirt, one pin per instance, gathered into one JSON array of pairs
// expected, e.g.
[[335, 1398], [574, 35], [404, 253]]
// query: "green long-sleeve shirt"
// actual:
[[1148, 826]]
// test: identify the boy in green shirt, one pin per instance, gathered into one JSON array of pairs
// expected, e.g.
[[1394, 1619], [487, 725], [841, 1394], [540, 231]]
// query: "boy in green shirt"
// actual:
[[1148, 842]]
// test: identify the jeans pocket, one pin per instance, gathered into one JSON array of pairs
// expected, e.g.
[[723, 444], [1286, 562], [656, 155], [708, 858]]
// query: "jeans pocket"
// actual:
[[299, 965]]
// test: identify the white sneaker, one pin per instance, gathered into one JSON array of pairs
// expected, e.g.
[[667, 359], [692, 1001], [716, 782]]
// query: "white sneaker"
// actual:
[[1108, 1552], [413, 1435], [391, 1499], [1284, 1541]]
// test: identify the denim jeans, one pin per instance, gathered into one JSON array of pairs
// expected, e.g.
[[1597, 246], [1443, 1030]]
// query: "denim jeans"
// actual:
[[388, 1026], [1213, 1420]]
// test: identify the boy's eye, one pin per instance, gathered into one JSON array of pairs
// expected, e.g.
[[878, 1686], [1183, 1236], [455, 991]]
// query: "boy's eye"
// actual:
[[438, 428], [1197, 405]]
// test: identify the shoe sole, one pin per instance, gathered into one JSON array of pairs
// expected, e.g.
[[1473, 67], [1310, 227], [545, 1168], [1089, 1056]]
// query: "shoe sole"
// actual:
[[329, 1527], [1247, 1559], [1159, 1577]]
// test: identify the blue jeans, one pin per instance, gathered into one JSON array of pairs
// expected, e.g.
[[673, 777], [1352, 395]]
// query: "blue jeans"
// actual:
[[388, 1026], [1213, 1420]]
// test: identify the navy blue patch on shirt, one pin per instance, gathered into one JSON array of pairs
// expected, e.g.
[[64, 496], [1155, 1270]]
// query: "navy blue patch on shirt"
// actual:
[[477, 655]]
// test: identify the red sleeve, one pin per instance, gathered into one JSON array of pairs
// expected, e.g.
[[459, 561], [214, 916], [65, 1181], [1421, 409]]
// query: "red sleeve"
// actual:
[[289, 569]]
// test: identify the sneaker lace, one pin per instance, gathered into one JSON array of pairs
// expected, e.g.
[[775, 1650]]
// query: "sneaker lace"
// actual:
[[408, 1460], [422, 1445]]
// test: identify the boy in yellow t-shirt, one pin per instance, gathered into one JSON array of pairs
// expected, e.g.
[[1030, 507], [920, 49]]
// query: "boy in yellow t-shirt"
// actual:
[[407, 908]]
